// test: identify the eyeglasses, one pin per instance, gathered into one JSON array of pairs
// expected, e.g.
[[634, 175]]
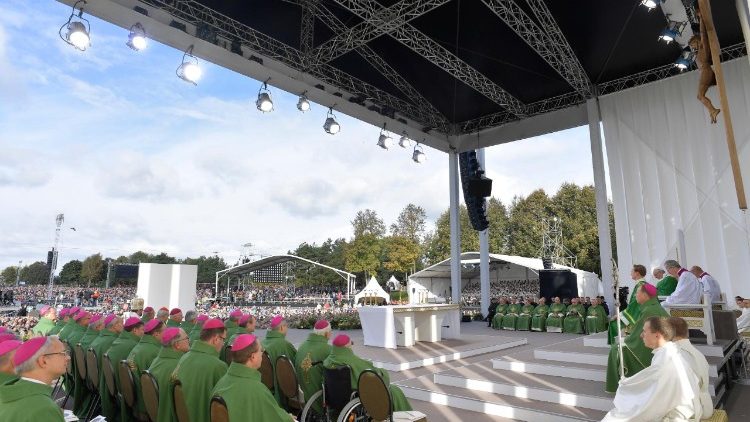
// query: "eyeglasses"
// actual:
[[182, 339], [65, 353]]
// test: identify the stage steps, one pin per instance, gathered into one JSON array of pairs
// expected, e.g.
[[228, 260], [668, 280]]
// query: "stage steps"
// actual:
[[715, 350]]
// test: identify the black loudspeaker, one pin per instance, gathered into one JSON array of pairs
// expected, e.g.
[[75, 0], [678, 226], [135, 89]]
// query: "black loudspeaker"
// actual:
[[562, 283], [481, 187], [547, 263]]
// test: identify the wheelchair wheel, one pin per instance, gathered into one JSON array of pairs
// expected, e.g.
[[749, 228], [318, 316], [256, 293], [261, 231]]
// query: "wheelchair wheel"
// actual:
[[353, 412], [309, 414]]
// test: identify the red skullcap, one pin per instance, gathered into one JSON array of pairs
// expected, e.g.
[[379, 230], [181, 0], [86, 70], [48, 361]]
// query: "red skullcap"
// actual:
[[276, 321], [7, 337], [321, 324], [164, 308], [242, 341], [3, 329], [131, 321], [109, 318], [169, 334], [148, 309], [81, 315], [27, 350], [245, 318], [342, 340], [201, 318], [9, 346], [650, 289], [175, 311], [213, 323], [63, 312], [74, 310], [95, 317], [151, 325], [235, 314]]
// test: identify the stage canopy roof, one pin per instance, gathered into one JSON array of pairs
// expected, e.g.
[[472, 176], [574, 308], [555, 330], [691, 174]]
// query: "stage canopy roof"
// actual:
[[271, 264], [449, 73]]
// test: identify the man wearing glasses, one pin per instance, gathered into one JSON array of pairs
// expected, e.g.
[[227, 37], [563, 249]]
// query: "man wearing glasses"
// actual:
[[38, 362]]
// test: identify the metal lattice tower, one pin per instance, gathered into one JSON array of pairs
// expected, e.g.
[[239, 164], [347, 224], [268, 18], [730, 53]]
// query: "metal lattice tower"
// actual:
[[58, 221], [552, 244]]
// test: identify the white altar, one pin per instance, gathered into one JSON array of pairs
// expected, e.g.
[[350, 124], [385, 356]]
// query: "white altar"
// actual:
[[404, 325]]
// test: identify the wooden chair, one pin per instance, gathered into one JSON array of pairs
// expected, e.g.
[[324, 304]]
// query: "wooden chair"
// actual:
[[92, 382], [80, 363], [180, 407], [286, 379], [127, 390], [109, 378], [377, 401], [150, 393], [698, 316], [266, 372], [219, 411]]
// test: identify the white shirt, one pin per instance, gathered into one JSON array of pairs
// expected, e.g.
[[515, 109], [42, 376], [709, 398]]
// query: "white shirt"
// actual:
[[699, 365], [665, 391], [711, 286], [689, 290], [743, 321]]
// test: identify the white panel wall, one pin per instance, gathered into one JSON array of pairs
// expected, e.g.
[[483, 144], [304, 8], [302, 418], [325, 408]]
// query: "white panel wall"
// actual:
[[669, 170], [182, 290], [167, 285]]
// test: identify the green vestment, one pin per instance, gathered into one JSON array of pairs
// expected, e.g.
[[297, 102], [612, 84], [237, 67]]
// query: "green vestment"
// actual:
[[231, 327], [539, 317], [22, 400], [162, 368], [187, 326], [199, 370], [100, 346], [82, 401], [145, 319], [88, 337], [276, 344], [75, 334], [119, 351], [56, 329], [573, 322], [80, 392], [6, 377], [172, 323], [195, 335], [629, 315], [140, 359], [596, 319], [246, 397], [523, 323], [636, 355], [509, 320], [666, 286], [43, 327], [66, 329], [497, 320], [313, 350], [554, 320], [345, 356]]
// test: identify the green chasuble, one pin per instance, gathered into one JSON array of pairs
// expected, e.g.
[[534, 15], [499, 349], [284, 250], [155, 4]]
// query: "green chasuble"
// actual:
[[596, 319], [66, 329], [195, 335], [345, 356], [161, 368], [629, 315], [22, 400], [539, 317], [523, 323], [636, 355], [199, 370], [231, 327], [172, 323], [6, 377], [145, 319], [88, 337], [80, 392], [246, 397], [276, 344], [509, 320], [56, 329], [187, 326], [573, 322], [43, 327], [75, 334], [554, 320], [119, 350], [497, 320], [315, 349], [140, 359], [81, 395], [666, 286], [101, 345], [230, 340]]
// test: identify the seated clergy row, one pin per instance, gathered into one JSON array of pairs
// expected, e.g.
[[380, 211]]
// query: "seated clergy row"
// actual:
[[578, 317]]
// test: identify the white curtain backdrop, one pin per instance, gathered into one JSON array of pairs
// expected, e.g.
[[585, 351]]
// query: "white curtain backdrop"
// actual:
[[670, 172]]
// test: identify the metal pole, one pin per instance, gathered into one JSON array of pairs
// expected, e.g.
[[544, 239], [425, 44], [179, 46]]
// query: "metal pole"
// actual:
[[58, 221], [18, 273], [484, 256], [455, 228]]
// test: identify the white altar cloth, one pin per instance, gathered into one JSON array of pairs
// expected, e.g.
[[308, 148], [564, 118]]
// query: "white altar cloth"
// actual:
[[404, 325]]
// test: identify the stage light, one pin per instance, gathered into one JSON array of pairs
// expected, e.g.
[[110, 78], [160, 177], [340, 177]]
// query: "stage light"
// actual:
[[331, 125], [672, 31], [303, 104], [189, 71], [685, 60], [264, 102], [137, 38], [651, 4], [404, 141], [384, 141], [418, 155], [79, 29]]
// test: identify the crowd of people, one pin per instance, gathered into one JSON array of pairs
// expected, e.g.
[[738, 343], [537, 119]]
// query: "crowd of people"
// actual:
[[470, 294]]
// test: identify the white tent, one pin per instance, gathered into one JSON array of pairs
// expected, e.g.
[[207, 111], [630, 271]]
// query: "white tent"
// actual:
[[393, 283], [372, 289]]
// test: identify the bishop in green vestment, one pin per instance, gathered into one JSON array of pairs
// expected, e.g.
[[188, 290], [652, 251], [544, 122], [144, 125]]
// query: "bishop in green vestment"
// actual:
[[189, 323], [62, 321], [596, 318], [140, 358], [175, 344], [175, 318], [7, 369], [112, 328], [196, 333], [80, 392], [120, 349], [636, 355], [241, 388], [342, 354], [148, 314], [200, 369], [573, 322], [276, 344], [509, 320], [523, 323], [502, 308], [46, 321], [666, 284], [95, 326], [233, 322], [539, 316], [554, 320], [631, 314], [310, 356]]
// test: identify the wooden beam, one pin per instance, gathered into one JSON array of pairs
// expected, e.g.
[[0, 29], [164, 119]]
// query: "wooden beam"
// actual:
[[713, 39]]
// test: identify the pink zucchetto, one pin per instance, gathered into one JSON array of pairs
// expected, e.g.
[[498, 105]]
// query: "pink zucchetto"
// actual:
[[342, 340], [81, 315], [175, 311], [44, 309], [213, 323], [109, 318], [169, 334], [276, 321], [131, 321], [148, 309], [244, 319], [242, 341], [650, 289], [151, 325], [28, 349], [9, 346], [63, 312], [95, 317], [235, 314], [321, 324], [3, 329], [74, 310], [201, 318], [7, 336]]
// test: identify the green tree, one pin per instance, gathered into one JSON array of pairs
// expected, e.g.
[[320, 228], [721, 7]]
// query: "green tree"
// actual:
[[575, 206], [368, 222], [36, 273], [401, 254], [207, 267], [163, 258], [497, 215], [525, 223], [410, 223], [91, 269], [138, 257], [439, 242], [8, 275], [362, 255], [71, 272]]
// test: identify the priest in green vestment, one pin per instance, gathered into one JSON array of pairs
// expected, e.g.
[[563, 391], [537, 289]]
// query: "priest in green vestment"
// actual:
[[523, 323], [241, 388], [175, 317], [196, 333], [200, 369], [276, 344], [81, 395], [539, 316], [310, 356], [7, 351], [342, 354], [573, 322], [631, 314], [119, 351], [233, 329], [596, 318], [665, 283], [636, 355], [148, 314], [39, 362], [509, 320], [140, 358], [113, 326], [69, 325], [80, 392], [95, 326], [500, 310], [175, 343], [46, 321], [189, 323], [62, 321], [555, 316]]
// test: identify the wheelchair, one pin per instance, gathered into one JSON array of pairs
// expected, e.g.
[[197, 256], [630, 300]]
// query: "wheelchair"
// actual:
[[337, 399]]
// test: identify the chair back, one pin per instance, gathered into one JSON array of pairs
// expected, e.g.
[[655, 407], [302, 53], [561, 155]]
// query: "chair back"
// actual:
[[374, 396], [127, 384], [266, 371], [69, 368], [92, 370], [180, 407], [286, 377], [150, 392], [337, 387], [109, 375], [80, 359], [228, 354], [219, 412]]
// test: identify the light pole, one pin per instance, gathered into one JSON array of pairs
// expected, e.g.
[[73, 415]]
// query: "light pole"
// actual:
[[18, 273], [58, 221]]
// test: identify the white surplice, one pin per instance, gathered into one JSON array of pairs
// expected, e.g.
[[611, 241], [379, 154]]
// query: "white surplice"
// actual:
[[665, 391], [711, 286], [699, 365], [743, 321], [689, 290]]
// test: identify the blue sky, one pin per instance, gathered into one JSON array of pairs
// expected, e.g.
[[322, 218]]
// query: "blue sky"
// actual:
[[138, 159]]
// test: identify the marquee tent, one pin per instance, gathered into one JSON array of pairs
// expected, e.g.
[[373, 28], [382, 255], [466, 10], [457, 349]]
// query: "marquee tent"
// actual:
[[372, 289]]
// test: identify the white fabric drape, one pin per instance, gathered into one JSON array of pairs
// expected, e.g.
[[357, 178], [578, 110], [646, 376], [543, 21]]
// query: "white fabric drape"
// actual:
[[669, 170]]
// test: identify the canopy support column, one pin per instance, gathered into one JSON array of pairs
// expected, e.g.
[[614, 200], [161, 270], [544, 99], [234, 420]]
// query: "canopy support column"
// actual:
[[484, 256], [455, 228]]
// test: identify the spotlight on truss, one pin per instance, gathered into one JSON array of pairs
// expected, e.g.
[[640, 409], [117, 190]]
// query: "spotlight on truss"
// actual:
[[404, 141], [303, 104], [137, 38], [79, 29], [384, 141], [264, 102], [189, 71], [418, 155], [331, 125]]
